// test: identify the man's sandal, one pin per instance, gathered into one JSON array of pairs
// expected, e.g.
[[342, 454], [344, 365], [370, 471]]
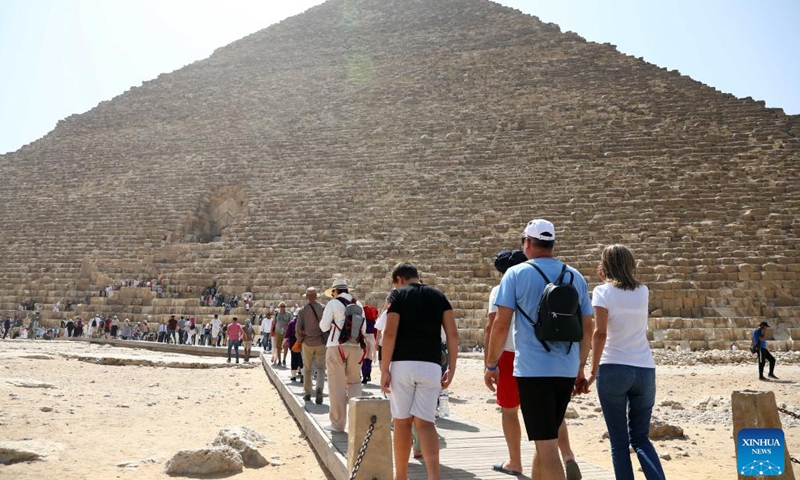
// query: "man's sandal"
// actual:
[[573, 471], [498, 467]]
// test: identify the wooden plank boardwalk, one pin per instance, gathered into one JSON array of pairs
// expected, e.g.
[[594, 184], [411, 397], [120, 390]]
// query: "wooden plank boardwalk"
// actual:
[[468, 449]]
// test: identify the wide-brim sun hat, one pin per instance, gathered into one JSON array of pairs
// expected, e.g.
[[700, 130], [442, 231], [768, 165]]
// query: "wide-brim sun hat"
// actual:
[[338, 284]]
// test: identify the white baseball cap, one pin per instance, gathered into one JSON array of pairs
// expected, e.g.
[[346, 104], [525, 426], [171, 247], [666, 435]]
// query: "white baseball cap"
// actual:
[[539, 229]]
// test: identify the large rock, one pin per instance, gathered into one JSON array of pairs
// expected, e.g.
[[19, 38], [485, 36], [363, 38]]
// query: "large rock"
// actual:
[[28, 451], [245, 441], [11, 454], [571, 413], [661, 430], [205, 461]]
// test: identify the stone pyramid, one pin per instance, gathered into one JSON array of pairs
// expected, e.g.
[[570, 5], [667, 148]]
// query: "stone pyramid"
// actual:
[[365, 132]]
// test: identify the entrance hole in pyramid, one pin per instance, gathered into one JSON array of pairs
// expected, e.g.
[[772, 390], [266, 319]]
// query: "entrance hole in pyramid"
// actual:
[[223, 208]]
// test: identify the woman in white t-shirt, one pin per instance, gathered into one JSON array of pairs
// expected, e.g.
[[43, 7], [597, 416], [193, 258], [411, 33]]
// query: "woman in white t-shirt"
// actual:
[[623, 364]]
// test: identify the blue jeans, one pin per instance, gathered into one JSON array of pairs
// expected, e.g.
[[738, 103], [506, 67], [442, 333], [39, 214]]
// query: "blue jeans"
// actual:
[[627, 395], [235, 345]]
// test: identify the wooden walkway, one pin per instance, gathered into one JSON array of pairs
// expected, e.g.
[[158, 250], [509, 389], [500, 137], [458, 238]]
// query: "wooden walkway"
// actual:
[[468, 449]]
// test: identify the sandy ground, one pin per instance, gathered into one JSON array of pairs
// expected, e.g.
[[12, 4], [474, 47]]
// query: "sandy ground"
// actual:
[[105, 415]]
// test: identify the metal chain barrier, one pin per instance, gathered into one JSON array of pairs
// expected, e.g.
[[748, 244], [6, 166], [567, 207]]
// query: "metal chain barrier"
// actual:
[[364, 445], [787, 412], [796, 416]]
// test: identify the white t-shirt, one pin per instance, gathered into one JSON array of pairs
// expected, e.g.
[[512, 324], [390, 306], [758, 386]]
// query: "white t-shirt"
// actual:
[[626, 340], [509, 346], [380, 324], [266, 325]]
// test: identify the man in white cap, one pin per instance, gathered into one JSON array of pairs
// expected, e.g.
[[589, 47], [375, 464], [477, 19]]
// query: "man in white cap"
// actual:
[[343, 361], [546, 372]]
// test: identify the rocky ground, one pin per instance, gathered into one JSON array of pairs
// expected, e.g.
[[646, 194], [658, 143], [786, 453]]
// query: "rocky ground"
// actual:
[[97, 412]]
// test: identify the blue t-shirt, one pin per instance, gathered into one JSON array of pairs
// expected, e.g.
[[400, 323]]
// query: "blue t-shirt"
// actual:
[[761, 343], [522, 285]]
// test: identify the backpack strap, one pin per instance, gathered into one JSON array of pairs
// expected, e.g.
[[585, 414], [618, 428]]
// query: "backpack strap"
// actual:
[[314, 311], [535, 326], [560, 279], [533, 264], [344, 302]]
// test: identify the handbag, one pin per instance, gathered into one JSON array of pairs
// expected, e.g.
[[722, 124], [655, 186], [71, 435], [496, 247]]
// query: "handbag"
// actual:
[[297, 347]]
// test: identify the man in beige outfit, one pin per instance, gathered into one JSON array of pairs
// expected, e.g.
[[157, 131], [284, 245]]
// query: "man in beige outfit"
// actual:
[[343, 361], [313, 339]]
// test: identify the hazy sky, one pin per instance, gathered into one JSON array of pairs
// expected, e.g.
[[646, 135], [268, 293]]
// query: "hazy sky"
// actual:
[[59, 57]]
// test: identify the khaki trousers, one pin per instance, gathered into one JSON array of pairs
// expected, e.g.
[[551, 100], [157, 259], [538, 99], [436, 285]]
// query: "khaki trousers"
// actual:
[[344, 381], [317, 355], [372, 347]]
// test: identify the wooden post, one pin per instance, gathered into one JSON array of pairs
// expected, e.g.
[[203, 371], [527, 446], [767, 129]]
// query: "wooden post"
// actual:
[[758, 410], [377, 461]]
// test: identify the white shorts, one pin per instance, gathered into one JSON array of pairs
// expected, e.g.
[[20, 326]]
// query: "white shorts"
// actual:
[[415, 389], [214, 332]]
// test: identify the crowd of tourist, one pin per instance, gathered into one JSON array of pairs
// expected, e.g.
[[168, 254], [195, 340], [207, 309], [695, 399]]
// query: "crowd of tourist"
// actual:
[[155, 284], [182, 330], [213, 297]]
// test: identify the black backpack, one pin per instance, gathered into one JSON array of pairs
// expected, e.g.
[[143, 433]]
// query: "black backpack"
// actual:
[[353, 319], [559, 313]]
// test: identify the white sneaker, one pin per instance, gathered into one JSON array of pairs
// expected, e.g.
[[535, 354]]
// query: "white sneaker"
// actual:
[[330, 428]]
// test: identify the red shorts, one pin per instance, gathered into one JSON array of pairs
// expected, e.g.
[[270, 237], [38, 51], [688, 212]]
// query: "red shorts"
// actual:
[[507, 391]]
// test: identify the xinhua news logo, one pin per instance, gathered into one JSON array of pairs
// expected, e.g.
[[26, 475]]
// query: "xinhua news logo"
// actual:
[[760, 451]]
